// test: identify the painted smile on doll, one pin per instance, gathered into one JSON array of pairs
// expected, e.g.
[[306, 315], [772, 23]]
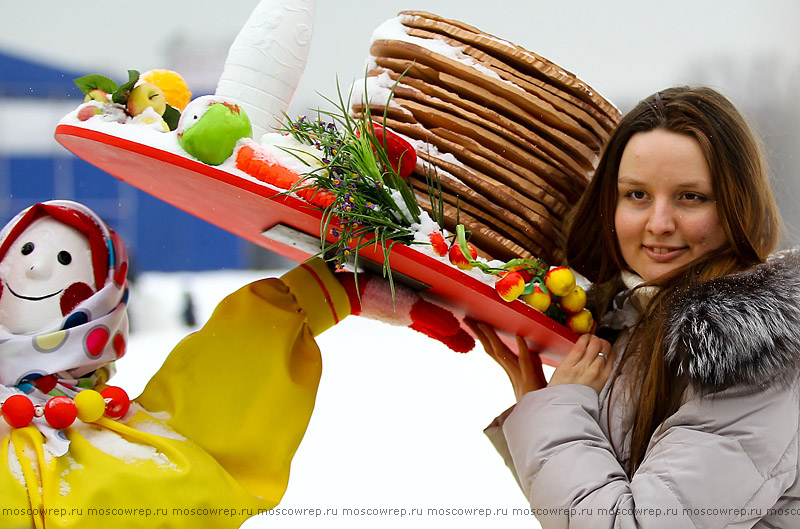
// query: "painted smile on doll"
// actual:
[[32, 298]]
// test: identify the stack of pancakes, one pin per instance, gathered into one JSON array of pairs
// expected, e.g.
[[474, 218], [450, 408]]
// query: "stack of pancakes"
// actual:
[[512, 137]]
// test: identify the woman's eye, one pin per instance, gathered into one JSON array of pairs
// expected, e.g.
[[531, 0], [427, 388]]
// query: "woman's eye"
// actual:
[[64, 257], [27, 248], [636, 194], [694, 197]]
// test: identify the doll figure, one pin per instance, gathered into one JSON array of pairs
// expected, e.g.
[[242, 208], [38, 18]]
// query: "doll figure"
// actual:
[[209, 441], [63, 319]]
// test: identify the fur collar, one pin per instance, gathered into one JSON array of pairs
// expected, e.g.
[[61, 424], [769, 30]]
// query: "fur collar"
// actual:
[[741, 329]]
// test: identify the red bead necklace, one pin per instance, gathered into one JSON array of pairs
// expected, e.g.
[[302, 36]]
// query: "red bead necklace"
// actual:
[[60, 412]]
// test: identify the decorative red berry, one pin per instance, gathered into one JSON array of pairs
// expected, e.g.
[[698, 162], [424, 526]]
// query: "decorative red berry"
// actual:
[[60, 412], [438, 244], [117, 401], [18, 411]]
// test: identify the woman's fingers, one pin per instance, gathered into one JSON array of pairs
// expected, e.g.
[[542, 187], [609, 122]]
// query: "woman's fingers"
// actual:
[[524, 369], [538, 369], [530, 364], [578, 350], [589, 362], [495, 348], [503, 354], [473, 326], [528, 380]]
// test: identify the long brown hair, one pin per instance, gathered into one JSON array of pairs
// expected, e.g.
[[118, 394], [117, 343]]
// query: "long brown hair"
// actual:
[[746, 209]]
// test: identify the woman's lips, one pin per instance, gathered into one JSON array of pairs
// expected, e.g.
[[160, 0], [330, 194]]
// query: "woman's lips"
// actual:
[[664, 254]]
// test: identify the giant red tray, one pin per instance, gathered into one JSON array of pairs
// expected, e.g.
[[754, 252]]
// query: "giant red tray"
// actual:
[[290, 227]]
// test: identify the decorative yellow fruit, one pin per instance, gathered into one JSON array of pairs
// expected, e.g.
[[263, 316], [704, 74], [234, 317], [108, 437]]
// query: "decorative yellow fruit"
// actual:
[[559, 281], [575, 301], [538, 299], [172, 84], [582, 322]]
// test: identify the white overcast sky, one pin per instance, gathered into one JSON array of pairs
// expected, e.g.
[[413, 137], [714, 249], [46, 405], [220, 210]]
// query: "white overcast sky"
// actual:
[[625, 49]]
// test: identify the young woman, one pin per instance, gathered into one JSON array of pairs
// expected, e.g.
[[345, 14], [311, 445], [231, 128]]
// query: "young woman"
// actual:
[[690, 419]]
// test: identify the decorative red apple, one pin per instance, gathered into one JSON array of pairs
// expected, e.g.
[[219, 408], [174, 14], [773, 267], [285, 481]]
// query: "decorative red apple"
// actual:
[[458, 258], [510, 286], [525, 271]]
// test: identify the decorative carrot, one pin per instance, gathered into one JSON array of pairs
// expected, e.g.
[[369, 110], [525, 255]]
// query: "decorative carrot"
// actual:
[[253, 160]]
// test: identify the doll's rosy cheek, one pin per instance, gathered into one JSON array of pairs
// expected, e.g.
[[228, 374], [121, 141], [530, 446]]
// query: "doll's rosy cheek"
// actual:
[[73, 295]]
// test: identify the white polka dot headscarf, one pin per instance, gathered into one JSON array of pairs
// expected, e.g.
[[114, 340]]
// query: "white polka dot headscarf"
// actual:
[[81, 349]]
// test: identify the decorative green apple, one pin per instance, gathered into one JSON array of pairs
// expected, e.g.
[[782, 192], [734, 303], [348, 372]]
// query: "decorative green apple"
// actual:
[[146, 95], [210, 126]]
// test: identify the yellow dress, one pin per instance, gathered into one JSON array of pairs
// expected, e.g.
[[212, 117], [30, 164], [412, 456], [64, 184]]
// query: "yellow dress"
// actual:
[[209, 442]]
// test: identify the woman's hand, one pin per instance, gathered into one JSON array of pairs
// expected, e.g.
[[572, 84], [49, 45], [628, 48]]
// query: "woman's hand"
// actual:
[[589, 362], [524, 370]]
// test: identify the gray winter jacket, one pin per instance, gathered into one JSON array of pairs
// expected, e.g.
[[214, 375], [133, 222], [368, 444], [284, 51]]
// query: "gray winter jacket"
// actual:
[[727, 458]]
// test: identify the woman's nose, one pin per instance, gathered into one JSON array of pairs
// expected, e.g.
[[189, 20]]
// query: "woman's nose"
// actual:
[[661, 219]]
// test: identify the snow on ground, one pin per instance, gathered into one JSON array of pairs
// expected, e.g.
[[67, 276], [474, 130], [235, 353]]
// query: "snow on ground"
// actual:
[[396, 436]]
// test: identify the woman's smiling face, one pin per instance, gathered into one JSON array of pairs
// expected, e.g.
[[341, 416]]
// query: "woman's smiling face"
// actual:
[[46, 259], [666, 214]]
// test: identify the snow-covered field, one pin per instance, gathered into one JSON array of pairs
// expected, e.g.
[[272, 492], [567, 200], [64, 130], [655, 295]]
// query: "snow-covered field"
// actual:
[[396, 437]]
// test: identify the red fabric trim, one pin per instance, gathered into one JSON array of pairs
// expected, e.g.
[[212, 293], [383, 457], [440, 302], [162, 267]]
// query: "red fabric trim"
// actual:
[[348, 281], [324, 289]]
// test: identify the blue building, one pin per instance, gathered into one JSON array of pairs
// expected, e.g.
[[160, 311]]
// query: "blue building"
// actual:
[[35, 168]]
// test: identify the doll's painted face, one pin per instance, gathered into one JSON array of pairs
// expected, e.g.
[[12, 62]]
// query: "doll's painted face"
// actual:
[[46, 272]]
